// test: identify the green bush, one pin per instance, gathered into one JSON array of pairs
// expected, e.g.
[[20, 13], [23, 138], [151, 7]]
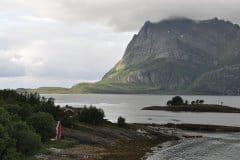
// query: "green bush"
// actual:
[[91, 115], [177, 100], [5, 142], [121, 122], [16, 137], [27, 141], [43, 123]]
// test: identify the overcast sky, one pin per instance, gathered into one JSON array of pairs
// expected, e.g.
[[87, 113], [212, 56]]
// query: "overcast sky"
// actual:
[[62, 42]]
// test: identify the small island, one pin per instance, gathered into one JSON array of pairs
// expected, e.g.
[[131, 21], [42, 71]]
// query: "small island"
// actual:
[[177, 104]]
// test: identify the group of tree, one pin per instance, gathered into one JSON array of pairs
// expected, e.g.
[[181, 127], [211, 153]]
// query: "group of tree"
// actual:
[[177, 100], [26, 121], [198, 101], [91, 115]]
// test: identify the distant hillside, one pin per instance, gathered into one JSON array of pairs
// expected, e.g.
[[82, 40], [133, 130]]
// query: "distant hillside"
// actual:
[[178, 55]]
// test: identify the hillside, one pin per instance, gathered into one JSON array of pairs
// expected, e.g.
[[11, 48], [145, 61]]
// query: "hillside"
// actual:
[[178, 55]]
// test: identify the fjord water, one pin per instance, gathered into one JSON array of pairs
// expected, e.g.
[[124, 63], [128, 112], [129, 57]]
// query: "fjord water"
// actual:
[[210, 147], [129, 106]]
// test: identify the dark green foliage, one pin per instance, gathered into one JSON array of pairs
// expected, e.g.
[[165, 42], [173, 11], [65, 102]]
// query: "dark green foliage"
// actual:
[[16, 137], [24, 104], [121, 122], [6, 143], [67, 120], [43, 123], [91, 115], [27, 141], [169, 103], [197, 102], [177, 100], [201, 101], [25, 120]]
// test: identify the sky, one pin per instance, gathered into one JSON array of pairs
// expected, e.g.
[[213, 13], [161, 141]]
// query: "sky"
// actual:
[[64, 42]]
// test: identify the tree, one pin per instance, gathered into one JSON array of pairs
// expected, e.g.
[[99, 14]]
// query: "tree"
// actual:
[[43, 123], [197, 101], [169, 103], [201, 101], [6, 143], [121, 122], [91, 115], [27, 141], [177, 100]]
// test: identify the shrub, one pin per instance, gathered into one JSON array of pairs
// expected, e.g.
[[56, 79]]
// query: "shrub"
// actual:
[[201, 101], [177, 100], [5, 142], [43, 123], [121, 122], [169, 103], [27, 141], [91, 115], [16, 137]]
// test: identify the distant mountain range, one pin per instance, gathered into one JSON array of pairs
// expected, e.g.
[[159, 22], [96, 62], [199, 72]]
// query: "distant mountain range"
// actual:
[[174, 56]]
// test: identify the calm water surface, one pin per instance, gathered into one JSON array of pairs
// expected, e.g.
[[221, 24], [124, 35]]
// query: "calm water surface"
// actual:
[[129, 106]]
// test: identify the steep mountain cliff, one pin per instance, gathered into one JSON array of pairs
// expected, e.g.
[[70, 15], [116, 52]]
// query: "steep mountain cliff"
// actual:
[[176, 56], [179, 55]]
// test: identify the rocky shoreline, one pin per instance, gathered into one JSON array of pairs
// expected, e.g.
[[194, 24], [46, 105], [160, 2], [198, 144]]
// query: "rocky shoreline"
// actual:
[[132, 143], [109, 142]]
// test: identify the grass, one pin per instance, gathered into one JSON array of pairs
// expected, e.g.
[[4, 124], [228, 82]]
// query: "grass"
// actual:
[[60, 144]]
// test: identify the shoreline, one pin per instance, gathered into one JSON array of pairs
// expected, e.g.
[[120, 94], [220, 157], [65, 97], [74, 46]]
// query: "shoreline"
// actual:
[[132, 143]]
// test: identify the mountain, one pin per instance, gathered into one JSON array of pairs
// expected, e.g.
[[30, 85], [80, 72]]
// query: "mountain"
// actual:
[[178, 56]]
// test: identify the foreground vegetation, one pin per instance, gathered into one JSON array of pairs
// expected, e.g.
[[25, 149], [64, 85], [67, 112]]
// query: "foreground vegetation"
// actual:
[[27, 122]]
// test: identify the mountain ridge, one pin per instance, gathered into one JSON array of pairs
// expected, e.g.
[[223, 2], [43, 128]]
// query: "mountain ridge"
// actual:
[[177, 55]]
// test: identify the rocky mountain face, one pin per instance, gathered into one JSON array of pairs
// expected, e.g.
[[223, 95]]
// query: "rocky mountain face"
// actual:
[[179, 55], [176, 56]]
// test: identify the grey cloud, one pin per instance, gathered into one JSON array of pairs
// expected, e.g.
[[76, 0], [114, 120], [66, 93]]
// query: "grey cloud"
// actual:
[[53, 49], [128, 15]]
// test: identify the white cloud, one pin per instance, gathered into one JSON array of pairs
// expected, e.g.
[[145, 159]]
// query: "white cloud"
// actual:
[[55, 52], [61, 42]]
